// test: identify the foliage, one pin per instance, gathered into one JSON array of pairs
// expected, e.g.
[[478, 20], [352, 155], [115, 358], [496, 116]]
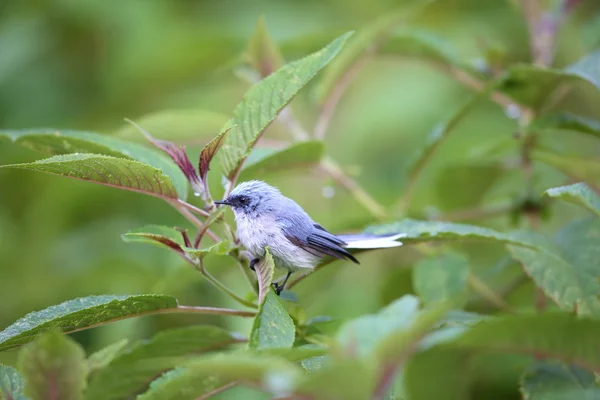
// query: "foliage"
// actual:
[[500, 257]]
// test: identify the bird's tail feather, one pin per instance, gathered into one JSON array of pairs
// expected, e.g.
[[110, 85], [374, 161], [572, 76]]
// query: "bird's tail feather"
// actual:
[[370, 241]]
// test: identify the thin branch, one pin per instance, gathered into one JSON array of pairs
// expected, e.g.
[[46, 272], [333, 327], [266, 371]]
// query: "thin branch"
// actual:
[[369, 203], [216, 283], [193, 208], [174, 310], [217, 391], [486, 292], [334, 97]]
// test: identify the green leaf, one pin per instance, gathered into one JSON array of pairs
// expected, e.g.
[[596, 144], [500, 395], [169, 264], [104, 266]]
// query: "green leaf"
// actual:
[[209, 151], [130, 372], [297, 155], [372, 34], [531, 86], [566, 122], [475, 180], [103, 357], [272, 326], [441, 278], [567, 270], [59, 142], [262, 53], [265, 100], [81, 313], [54, 367], [176, 125], [350, 379], [11, 384], [555, 381], [181, 384], [361, 335], [425, 231], [265, 269], [109, 171], [558, 336], [577, 168], [272, 374], [222, 248], [578, 193]]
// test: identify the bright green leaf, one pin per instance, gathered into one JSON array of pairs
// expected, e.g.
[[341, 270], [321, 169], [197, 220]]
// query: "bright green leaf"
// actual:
[[441, 278], [294, 353], [265, 269], [361, 335], [59, 142], [265, 100], [180, 384], [11, 384], [81, 313], [54, 367], [297, 155], [109, 171], [103, 357], [176, 125], [555, 381], [130, 372], [566, 122], [262, 53], [272, 326], [575, 167], [578, 193], [425, 231]]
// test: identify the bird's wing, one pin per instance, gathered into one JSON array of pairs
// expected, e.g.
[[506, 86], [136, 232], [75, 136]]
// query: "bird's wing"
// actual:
[[314, 239]]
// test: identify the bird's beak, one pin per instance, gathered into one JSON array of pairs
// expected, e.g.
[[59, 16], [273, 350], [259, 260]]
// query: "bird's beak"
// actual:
[[225, 202]]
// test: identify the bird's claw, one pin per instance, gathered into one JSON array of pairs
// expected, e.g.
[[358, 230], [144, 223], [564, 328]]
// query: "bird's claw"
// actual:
[[253, 263], [278, 288]]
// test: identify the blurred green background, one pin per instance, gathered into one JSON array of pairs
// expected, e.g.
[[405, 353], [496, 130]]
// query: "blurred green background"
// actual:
[[87, 64]]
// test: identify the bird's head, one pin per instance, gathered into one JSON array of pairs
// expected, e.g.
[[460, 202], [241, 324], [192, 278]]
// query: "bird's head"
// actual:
[[251, 197]]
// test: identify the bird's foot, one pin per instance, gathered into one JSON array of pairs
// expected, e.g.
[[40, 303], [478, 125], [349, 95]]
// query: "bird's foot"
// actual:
[[278, 288], [253, 263]]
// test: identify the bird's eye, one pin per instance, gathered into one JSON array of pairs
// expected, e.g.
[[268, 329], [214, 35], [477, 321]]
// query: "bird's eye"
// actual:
[[244, 200]]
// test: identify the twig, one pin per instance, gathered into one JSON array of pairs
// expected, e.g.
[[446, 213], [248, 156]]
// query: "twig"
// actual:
[[336, 94], [369, 203], [193, 208], [216, 283], [192, 218], [217, 391], [486, 292]]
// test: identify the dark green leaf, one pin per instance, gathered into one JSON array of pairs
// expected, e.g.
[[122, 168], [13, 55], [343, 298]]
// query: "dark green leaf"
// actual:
[[103, 357], [577, 168], [295, 353], [297, 155], [441, 278], [262, 53], [209, 151], [562, 270], [82, 313], [272, 326], [475, 180], [558, 336], [578, 193], [265, 100], [567, 122], [265, 269], [425, 231], [531, 86], [130, 372], [555, 381], [54, 367], [177, 125], [109, 171], [11, 384], [351, 379], [372, 34], [58, 142], [180, 384]]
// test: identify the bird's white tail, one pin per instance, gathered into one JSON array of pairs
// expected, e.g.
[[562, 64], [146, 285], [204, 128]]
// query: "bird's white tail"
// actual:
[[371, 241]]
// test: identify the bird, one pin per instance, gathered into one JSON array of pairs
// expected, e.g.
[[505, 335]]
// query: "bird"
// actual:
[[266, 218]]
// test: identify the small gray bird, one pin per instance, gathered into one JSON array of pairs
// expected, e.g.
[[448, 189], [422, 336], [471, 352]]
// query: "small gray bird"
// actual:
[[265, 217]]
